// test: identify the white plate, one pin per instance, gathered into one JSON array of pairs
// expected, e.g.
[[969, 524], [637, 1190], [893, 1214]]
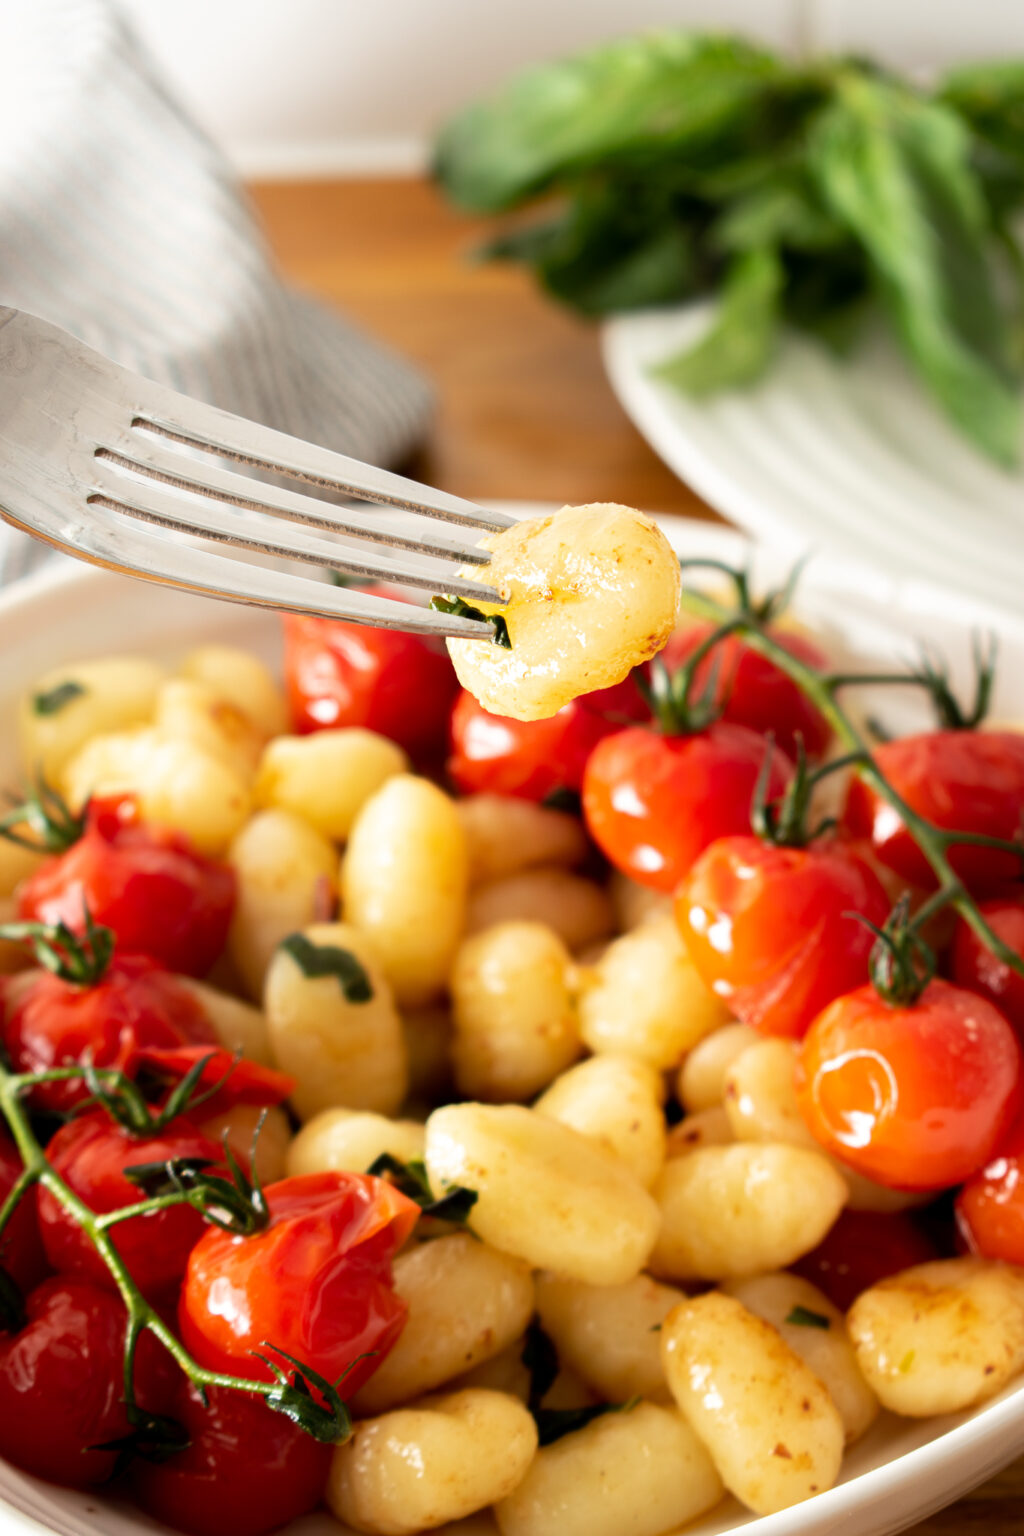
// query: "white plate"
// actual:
[[901, 1471], [846, 457]]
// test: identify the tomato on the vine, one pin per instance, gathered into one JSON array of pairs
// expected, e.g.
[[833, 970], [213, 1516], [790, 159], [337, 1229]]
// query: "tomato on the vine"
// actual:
[[90, 1153], [976, 967], [753, 691], [21, 1248], [62, 1382], [225, 1079], [990, 1207], [653, 803], [315, 1282], [915, 1096], [861, 1248], [246, 1469], [771, 931], [962, 781], [529, 759], [157, 894]]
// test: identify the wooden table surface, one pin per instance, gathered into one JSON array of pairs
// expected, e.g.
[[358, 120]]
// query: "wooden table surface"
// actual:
[[524, 412]]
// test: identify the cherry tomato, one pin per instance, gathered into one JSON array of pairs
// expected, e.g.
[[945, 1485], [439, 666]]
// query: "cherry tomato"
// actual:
[[862, 1248], [527, 758], [915, 1097], [978, 969], [61, 1382], [653, 803], [990, 1207], [246, 1470], [963, 781], [236, 1079], [90, 1153], [316, 1282], [769, 929], [21, 1248], [753, 691], [399, 685], [53, 1023], [148, 884]]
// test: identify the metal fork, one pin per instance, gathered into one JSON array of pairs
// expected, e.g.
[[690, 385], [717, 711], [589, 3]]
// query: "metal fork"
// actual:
[[113, 469]]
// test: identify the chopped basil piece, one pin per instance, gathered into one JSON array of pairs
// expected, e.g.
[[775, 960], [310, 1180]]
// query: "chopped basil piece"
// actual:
[[907, 1361], [317, 960], [411, 1178], [553, 1423], [54, 700], [803, 1317], [655, 1328], [464, 610]]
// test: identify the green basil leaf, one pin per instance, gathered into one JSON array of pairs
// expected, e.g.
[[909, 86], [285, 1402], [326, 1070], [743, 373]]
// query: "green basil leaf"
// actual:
[[54, 700], [990, 97], [738, 347], [553, 1423], [783, 211], [803, 1317], [411, 1178], [318, 960], [464, 610]]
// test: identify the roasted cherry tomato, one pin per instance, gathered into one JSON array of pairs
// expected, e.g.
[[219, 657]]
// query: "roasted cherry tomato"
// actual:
[[148, 884], [769, 929], [530, 759], [978, 969], [399, 685], [21, 1248], [235, 1079], [91, 1153], [753, 691], [990, 1207], [246, 1469], [915, 1097], [61, 1382], [653, 803], [53, 1023], [963, 781], [316, 1282], [862, 1248]]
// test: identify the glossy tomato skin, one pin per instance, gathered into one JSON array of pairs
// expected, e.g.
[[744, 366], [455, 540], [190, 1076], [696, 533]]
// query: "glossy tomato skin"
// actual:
[[61, 1380], [21, 1247], [975, 966], [861, 1248], [528, 759], [990, 1207], [964, 781], [148, 884], [653, 803], [915, 1097], [753, 691], [399, 685], [225, 1080], [90, 1154], [52, 1023], [316, 1282], [768, 928], [247, 1469]]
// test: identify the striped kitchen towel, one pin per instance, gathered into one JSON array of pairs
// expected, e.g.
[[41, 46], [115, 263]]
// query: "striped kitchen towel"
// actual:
[[121, 222]]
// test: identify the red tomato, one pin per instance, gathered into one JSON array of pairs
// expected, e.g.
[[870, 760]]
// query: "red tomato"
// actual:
[[148, 884], [768, 928], [238, 1080], [653, 803], [61, 1380], [963, 781], [316, 1282], [90, 1153], [21, 1249], [399, 685], [752, 690], [978, 969], [246, 1470], [990, 1207], [53, 1023], [526, 758], [862, 1248], [916, 1097]]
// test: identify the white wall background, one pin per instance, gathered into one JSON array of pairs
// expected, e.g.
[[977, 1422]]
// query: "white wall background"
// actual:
[[315, 87]]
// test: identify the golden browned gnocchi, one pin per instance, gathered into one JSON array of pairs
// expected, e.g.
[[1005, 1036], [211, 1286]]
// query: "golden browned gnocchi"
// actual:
[[575, 908], [187, 710], [609, 1334], [701, 1080], [327, 777], [352, 1139], [286, 875], [618, 1100], [243, 680], [504, 836], [69, 705]]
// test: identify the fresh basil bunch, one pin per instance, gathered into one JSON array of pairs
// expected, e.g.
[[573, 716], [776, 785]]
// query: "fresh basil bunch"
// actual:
[[674, 164]]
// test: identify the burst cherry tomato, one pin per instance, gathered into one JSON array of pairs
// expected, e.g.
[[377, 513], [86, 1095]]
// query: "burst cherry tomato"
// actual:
[[752, 690], [862, 1248], [769, 928], [978, 969], [61, 1382], [21, 1249], [653, 803], [527, 758], [148, 884], [235, 1079], [90, 1153], [339, 674], [964, 781], [246, 1470], [49, 1022], [915, 1097], [990, 1207], [316, 1282]]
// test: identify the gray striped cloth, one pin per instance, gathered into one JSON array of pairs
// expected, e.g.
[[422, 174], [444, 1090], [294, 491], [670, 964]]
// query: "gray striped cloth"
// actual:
[[121, 222]]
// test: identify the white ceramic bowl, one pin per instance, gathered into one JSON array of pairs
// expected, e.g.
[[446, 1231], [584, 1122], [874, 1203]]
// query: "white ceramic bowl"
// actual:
[[903, 1469]]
